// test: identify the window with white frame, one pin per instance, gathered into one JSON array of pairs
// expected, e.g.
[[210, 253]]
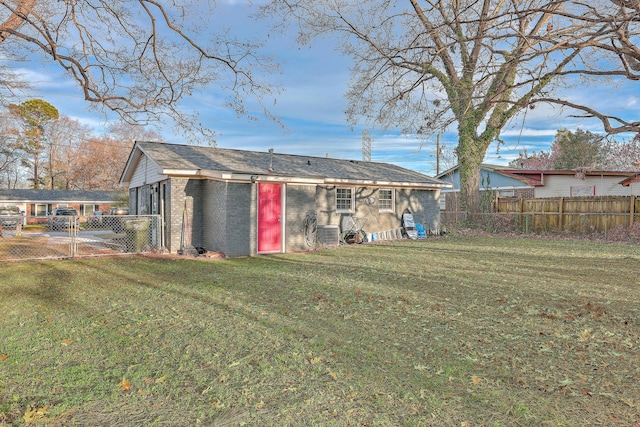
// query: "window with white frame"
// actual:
[[41, 210], [386, 199], [89, 209], [344, 199], [443, 201]]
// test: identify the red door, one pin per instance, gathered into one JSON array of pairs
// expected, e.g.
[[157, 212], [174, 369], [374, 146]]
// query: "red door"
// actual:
[[269, 217]]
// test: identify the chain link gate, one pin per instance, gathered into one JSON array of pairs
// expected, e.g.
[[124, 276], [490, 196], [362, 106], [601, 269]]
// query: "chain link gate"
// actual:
[[78, 236]]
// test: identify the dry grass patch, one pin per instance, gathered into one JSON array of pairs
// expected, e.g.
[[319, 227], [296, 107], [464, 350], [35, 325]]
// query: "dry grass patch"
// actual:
[[458, 331]]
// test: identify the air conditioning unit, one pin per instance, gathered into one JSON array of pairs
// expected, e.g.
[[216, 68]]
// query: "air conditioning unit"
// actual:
[[328, 235]]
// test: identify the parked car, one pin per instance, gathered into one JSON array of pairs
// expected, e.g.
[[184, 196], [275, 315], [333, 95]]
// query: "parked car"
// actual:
[[95, 220], [118, 211], [10, 216], [60, 218], [116, 223]]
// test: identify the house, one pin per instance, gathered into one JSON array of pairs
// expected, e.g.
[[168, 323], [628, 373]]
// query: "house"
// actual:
[[496, 178], [575, 183], [633, 183], [525, 183], [37, 204], [242, 203]]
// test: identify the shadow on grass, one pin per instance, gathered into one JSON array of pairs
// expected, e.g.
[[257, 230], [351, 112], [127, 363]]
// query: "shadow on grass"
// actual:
[[50, 288]]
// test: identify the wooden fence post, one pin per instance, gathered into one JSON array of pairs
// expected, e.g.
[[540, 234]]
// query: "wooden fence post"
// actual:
[[632, 210], [521, 213], [561, 215]]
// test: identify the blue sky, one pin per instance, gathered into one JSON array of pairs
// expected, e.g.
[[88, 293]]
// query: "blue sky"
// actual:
[[314, 79]]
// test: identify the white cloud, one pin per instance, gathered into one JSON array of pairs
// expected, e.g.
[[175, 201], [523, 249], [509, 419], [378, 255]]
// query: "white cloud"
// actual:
[[312, 108], [527, 132]]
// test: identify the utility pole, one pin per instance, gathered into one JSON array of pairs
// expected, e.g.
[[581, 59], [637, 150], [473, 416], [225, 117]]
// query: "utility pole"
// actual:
[[438, 155], [366, 146]]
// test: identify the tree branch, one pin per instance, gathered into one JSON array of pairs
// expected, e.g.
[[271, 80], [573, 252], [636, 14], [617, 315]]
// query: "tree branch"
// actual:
[[625, 126]]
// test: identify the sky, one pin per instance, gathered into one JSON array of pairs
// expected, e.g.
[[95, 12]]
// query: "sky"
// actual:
[[311, 107]]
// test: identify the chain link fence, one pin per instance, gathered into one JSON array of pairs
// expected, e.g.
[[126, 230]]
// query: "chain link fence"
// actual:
[[74, 236]]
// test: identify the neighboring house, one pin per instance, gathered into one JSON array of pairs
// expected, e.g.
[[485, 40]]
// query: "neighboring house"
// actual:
[[37, 204], [575, 183], [539, 184], [633, 183], [495, 178], [242, 203]]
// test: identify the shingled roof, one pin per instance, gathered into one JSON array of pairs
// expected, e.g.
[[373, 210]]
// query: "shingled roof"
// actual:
[[175, 159], [46, 196]]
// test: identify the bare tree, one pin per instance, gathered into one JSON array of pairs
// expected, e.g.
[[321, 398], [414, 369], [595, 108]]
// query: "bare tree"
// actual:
[[83, 160], [9, 151], [64, 141], [100, 160], [622, 155], [423, 65], [583, 150], [138, 58], [128, 134]]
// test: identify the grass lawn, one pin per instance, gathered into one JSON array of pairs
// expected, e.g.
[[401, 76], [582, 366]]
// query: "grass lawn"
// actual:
[[455, 331]]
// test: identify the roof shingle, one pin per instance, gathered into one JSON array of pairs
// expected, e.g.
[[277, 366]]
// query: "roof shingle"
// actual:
[[192, 158]]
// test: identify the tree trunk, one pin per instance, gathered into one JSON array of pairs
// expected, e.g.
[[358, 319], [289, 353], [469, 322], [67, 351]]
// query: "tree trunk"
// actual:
[[36, 172], [470, 156]]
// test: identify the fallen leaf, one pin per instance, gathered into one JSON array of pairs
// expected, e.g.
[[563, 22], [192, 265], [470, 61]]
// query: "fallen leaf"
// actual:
[[66, 342], [31, 415], [332, 374], [475, 380], [3, 357], [260, 405], [125, 385], [586, 334], [161, 379]]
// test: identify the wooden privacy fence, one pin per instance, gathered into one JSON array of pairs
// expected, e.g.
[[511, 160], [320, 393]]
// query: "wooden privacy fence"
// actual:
[[571, 214]]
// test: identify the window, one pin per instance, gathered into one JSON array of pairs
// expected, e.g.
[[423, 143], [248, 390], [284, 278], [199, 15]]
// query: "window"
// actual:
[[40, 209], [386, 200], [582, 190], [344, 199], [88, 210]]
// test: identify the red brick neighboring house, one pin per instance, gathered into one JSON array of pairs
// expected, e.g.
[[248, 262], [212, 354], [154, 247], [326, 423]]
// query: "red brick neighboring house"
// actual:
[[37, 204]]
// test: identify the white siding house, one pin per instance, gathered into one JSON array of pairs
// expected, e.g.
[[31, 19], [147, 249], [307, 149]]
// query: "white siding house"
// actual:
[[633, 184], [148, 171], [575, 184]]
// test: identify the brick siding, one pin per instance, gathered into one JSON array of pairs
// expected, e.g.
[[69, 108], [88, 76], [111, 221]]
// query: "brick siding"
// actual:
[[222, 216]]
